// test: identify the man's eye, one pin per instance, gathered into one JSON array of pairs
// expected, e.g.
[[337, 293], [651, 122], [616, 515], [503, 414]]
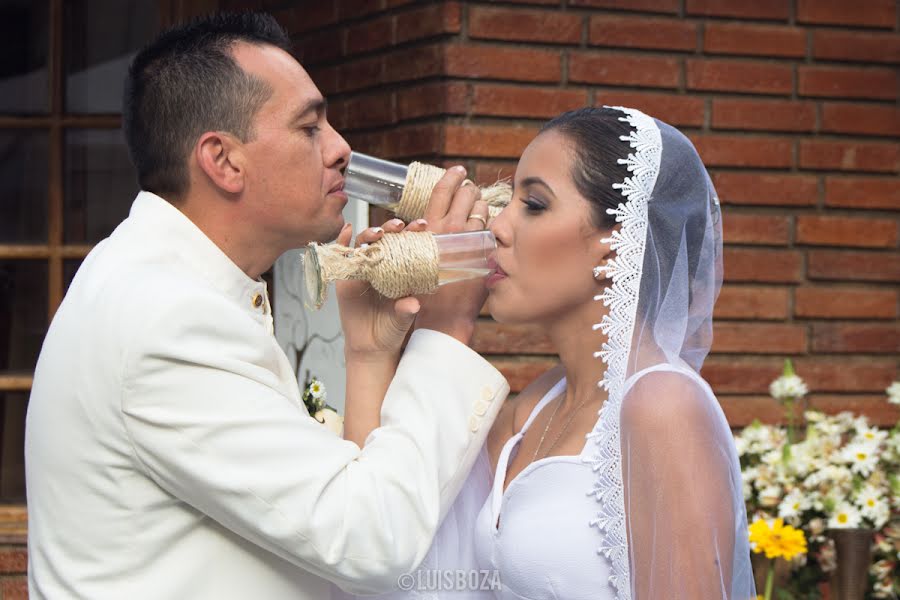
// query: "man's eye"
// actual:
[[311, 130]]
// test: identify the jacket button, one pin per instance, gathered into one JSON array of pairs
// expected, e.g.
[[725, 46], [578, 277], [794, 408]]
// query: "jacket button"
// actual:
[[474, 424], [481, 408], [257, 300]]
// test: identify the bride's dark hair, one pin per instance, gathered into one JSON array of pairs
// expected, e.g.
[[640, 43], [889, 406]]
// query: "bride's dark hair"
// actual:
[[594, 133]]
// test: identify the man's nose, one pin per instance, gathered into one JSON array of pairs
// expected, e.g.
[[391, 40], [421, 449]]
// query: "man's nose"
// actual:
[[337, 151]]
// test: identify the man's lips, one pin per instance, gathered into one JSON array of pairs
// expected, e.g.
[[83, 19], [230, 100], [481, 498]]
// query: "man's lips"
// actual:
[[338, 187]]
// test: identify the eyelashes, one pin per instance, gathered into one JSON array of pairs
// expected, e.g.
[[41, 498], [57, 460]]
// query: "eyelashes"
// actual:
[[533, 206]]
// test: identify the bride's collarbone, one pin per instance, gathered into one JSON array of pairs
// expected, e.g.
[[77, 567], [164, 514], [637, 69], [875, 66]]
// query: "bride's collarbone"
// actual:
[[565, 436], [515, 412]]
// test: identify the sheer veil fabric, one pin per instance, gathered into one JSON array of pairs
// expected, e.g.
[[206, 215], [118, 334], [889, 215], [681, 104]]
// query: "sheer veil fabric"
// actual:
[[670, 517], [671, 513]]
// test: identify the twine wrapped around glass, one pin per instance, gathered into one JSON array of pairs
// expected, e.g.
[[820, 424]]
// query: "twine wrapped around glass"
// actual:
[[406, 190], [399, 264]]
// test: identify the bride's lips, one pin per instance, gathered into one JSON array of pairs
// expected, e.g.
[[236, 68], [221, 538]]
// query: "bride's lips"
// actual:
[[497, 273]]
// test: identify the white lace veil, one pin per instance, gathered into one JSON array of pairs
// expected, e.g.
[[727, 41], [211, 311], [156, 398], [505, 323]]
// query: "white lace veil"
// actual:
[[670, 512], [670, 504]]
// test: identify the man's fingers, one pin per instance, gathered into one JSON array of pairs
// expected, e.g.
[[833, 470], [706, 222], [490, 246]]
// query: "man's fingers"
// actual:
[[394, 226], [370, 235], [407, 307], [417, 225], [442, 195], [373, 234], [345, 235]]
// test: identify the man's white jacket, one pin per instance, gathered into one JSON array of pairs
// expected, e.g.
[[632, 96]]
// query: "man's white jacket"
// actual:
[[169, 455]]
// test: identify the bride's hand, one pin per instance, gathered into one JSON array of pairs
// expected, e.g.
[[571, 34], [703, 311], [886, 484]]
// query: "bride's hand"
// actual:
[[454, 307], [374, 326]]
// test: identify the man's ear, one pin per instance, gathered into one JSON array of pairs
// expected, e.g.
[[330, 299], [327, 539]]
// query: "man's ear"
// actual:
[[220, 156]]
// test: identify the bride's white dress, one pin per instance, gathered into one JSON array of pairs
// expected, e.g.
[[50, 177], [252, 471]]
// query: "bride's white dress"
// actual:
[[540, 540], [544, 547]]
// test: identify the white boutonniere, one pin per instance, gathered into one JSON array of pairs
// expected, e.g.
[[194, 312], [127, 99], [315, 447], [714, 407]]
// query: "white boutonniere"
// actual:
[[314, 397]]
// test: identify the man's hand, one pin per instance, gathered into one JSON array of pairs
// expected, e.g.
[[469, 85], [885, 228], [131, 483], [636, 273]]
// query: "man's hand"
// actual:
[[374, 326]]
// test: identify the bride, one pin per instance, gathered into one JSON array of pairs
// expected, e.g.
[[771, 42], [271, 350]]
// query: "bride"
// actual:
[[613, 475]]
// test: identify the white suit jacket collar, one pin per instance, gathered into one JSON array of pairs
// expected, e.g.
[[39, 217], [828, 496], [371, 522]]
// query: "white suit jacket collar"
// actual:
[[174, 230]]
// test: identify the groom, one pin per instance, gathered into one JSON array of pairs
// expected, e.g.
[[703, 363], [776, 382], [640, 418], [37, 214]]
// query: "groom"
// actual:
[[168, 451]]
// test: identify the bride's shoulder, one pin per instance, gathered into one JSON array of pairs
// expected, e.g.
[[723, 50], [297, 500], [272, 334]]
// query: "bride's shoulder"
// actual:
[[667, 396], [515, 411], [528, 398]]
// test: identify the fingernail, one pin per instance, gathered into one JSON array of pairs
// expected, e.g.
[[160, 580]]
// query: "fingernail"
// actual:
[[460, 169], [422, 222], [468, 182], [396, 222], [377, 230]]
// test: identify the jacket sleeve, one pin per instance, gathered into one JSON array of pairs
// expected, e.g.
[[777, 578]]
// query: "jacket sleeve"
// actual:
[[211, 422]]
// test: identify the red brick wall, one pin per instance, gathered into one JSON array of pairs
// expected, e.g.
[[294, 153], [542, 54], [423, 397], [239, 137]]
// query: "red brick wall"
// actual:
[[793, 106], [13, 568]]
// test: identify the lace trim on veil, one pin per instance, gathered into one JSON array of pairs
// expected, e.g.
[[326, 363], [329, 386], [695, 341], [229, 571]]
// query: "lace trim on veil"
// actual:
[[618, 325]]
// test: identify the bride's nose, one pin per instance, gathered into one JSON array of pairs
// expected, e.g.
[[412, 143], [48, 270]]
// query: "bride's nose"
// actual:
[[501, 229]]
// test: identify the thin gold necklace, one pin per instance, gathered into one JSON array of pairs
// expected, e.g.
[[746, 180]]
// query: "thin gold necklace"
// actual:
[[561, 431]]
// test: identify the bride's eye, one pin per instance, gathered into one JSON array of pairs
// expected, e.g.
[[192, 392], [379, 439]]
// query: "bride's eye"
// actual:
[[533, 205]]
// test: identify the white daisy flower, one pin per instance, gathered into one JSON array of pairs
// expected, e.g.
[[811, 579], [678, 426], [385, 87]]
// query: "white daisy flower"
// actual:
[[871, 435], [770, 496], [765, 477], [817, 526], [883, 589], [813, 416], [845, 516], [772, 458], [861, 457], [317, 389], [803, 457], [880, 515], [893, 392], [831, 476], [868, 500], [788, 386], [793, 504]]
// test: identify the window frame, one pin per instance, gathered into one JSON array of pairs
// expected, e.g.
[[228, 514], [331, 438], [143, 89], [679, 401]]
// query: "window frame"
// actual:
[[54, 252]]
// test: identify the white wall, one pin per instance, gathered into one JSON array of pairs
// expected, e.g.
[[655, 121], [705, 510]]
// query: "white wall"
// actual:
[[309, 337]]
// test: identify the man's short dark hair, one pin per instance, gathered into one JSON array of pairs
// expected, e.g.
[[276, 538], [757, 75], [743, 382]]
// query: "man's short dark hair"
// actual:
[[187, 82]]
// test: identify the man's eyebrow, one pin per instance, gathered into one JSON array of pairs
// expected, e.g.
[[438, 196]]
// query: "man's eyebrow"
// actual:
[[316, 105]]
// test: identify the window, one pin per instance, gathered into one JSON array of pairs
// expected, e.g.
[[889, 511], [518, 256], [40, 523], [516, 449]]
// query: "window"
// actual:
[[65, 177]]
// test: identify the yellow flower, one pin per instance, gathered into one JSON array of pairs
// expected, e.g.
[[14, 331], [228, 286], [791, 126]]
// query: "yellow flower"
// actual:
[[777, 539]]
